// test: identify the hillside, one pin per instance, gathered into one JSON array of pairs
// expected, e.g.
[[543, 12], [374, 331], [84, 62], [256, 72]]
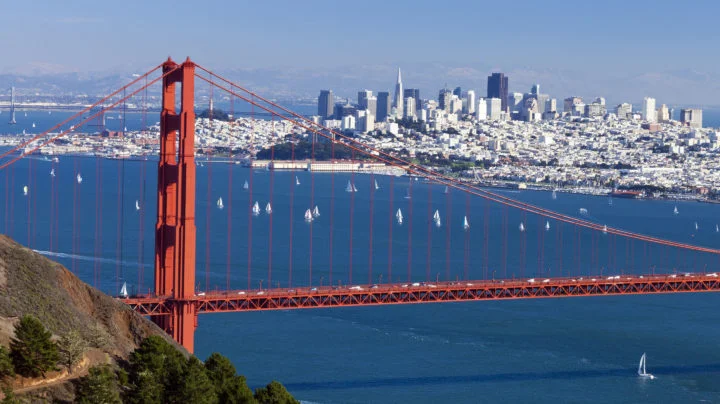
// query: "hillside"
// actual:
[[32, 284]]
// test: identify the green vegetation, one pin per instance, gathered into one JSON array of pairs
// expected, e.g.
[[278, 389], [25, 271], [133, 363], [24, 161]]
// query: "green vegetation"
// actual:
[[6, 365], [274, 393], [99, 386], [303, 150], [32, 351], [217, 114]]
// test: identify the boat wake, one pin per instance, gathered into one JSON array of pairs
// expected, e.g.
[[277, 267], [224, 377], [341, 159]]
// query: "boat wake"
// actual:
[[88, 258]]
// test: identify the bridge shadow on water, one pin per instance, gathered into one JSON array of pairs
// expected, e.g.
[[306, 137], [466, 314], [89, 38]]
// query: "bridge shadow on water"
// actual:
[[496, 378]]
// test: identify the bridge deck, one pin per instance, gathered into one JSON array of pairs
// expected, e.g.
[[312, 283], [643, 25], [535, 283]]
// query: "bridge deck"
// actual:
[[425, 292]]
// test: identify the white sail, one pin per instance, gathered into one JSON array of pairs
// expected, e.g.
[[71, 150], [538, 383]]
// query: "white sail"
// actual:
[[137, 204], [316, 212], [436, 218], [246, 185], [349, 187], [466, 225], [55, 160], [447, 190], [33, 125], [25, 190], [399, 216], [256, 209], [522, 226], [123, 290], [717, 229], [353, 188], [675, 211], [547, 225], [79, 178], [642, 371], [52, 172], [554, 194], [376, 185], [583, 211], [696, 226], [308, 216], [268, 208], [220, 203], [604, 229], [297, 180]]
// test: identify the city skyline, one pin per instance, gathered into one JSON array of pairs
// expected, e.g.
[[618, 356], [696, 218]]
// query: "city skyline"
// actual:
[[568, 51]]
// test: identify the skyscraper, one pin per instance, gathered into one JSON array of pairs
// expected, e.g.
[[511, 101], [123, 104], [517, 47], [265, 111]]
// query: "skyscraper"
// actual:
[[444, 99], [383, 105], [326, 104], [648, 109], [471, 102], [535, 90], [410, 112], [498, 88], [458, 91], [482, 110], [398, 98], [691, 117], [363, 98], [494, 108], [415, 94]]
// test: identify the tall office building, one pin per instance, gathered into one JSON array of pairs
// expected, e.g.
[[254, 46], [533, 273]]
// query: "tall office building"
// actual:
[[494, 108], [648, 109], [413, 93], [663, 113], [363, 97], [471, 102], [497, 87], [623, 111], [326, 104], [535, 90], [410, 111], [458, 91], [398, 99], [444, 99], [482, 110], [383, 106], [691, 117]]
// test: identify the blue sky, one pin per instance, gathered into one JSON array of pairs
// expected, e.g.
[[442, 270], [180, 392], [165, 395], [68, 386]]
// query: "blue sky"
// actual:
[[608, 38]]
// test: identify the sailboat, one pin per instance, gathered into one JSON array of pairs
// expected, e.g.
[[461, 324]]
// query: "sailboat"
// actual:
[[316, 212], [52, 172], [547, 225], [407, 194], [297, 180], [521, 227], [554, 194], [33, 125], [436, 218], [245, 185], [376, 185], [466, 225], [399, 216], [308, 216], [696, 226], [447, 190], [350, 187], [137, 204], [79, 178], [25, 190], [675, 211], [717, 229], [123, 290], [256, 209], [268, 208], [604, 229], [642, 372], [220, 203]]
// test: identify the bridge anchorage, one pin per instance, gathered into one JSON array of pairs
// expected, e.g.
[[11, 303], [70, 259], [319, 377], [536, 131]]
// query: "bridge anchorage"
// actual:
[[420, 236]]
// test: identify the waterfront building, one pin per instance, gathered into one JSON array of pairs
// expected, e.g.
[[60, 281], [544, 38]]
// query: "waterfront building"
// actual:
[[497, 87], [691, 117], [383, 105], [326, 104], [648, 109], [398, 98]]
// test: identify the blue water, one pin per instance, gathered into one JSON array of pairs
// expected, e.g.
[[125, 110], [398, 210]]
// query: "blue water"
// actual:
[[579, 349]]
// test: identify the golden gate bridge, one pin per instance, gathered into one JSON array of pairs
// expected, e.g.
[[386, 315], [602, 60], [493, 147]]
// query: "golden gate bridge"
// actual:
[[176, 299]]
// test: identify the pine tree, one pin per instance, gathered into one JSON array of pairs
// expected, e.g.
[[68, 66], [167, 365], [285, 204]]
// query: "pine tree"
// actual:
[[230, 387], [195, 386], [274, 393], [100, 386], [156, 371], [32, 351], [6, 365]]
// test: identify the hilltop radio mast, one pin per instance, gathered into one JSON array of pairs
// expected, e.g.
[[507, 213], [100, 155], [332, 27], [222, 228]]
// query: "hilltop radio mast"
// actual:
[[12, 106]]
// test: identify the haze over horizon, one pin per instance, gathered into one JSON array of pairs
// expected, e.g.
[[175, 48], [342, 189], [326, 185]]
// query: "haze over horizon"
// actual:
[[619, 51]]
